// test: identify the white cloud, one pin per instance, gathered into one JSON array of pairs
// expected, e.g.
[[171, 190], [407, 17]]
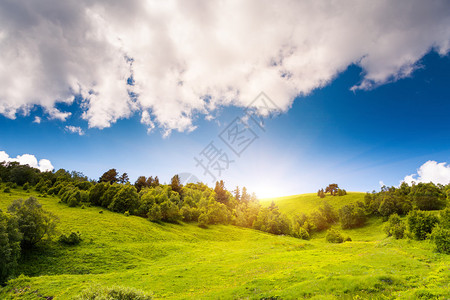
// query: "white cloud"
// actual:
[[75, 129], [431, 171], [28, 159], [37, 120], [189, 57], [381, 183]]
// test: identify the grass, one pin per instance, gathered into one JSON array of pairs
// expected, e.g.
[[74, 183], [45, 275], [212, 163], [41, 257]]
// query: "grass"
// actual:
[[223, 262], [307, 203]]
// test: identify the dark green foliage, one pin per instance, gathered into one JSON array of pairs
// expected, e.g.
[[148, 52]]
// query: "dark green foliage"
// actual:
[[109, 176], [84, 185], [108, 196], [113, 293], [352, 216], [329, 213], [273, 221], [7, 190], [175, 184], [154, 213], [334, 236], [395, 227], [140, 183], [20, 174], [74, 238], [10, 238], [441, 238], [421, 223], [221, 192], [96, 193], [34, 222], [444, 218], [215, 213], [427, 196], [170, 211], [125, 199], [124, 178]]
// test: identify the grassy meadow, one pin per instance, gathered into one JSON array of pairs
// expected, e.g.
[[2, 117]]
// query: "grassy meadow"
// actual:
[[184, 261]]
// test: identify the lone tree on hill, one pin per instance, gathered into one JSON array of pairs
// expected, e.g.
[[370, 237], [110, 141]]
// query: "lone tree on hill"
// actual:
[[332, 189]]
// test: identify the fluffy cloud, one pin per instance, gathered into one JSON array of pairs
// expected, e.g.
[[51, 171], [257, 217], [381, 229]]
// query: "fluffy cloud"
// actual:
[[185, 58], [75, 129], [431, 171], [28, 159]]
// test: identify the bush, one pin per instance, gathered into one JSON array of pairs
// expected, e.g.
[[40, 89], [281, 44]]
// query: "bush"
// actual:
[[334, 236], [7, 190], [34, 222], [352, 216], [116, 293], [127, 213], [74, 238], [441, 238], [125, 199], [421, 223], [301, 233], [395, 227], [427, 196]]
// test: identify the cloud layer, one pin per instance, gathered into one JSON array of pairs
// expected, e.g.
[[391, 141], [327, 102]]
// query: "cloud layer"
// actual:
[[431, 171], [172, 60], [28, 159]]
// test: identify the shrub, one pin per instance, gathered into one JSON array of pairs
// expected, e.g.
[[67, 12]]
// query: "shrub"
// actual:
[[115, 292], [301, 233], [441, 238], [352, 216], [395, 227], [334, 236], [421, 223], [127, 213], [74, 238], [7, 190]]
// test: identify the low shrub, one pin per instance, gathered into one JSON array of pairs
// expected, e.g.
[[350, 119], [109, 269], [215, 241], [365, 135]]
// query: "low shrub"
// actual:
[[334, 236], [395, 227], [74, 238]]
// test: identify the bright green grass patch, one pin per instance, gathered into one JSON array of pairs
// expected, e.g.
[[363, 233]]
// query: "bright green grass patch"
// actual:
[[307, 203], [222, 262]]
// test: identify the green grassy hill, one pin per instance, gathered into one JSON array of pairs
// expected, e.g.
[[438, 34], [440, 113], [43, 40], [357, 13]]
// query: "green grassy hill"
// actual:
[[223, 262], [307, 203]]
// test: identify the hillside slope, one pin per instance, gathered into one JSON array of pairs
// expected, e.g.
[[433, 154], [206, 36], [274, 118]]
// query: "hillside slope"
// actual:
[[187, 262], [307, 203]]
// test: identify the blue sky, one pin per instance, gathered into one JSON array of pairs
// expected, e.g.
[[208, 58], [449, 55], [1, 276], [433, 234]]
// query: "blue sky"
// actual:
[[364, 94], [333, 135]]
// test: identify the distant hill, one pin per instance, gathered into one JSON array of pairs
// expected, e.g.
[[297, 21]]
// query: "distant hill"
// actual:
[[307, 203]]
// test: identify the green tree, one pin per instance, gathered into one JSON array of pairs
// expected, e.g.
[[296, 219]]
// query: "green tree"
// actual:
[[175, 184], [427, 196], [34, 222], [421, 223], [124, 178], [109, 176], [126, 199], [352, 216], [10, 238], [395, 227], [140, 183], [96, 193]]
